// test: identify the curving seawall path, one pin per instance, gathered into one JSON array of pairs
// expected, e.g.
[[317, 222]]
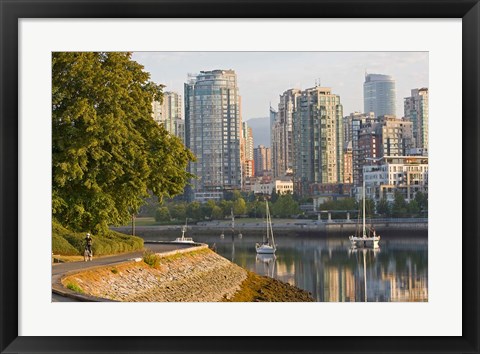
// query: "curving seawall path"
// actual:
[[193, 275]]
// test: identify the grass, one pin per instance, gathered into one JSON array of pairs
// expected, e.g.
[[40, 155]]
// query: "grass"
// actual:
[[151, 259], [75, 287]]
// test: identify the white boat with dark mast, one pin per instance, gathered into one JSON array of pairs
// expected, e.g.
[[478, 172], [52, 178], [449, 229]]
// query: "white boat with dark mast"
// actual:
[[365, 240], [268, 246], [184, 239]]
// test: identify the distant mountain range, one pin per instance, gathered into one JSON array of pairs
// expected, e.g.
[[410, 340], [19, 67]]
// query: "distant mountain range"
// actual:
[[261, 130]]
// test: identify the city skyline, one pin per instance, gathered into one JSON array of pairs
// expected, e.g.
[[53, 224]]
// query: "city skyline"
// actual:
[[264, 76]]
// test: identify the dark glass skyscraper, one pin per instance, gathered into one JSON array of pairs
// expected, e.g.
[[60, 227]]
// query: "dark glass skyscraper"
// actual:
[[379, 95]]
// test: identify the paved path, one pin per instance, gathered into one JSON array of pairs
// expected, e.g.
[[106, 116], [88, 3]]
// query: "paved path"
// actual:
[[60, 269]]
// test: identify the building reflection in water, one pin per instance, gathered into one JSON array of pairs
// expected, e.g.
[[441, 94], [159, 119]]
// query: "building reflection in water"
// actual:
[[333, 272], [326, 266]]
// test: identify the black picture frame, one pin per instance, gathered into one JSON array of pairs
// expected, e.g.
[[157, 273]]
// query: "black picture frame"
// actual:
[[12, 11]]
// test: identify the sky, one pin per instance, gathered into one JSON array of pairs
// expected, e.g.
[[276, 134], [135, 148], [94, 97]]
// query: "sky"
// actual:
[[263, 76]]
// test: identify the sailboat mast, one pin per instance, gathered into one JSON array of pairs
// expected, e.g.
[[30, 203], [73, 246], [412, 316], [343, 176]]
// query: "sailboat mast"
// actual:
[[364, 206], [266, 204], [365, 274]]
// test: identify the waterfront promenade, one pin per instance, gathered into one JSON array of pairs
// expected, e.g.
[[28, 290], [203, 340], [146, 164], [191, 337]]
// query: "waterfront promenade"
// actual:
[[298, 225], [59, 270]]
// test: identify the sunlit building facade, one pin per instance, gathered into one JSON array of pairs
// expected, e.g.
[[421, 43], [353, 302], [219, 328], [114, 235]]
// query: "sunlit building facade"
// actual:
[[282, 134], [318, 136], [405, 174], [213, 130], [263, 161], [169, 114], [416, 110]]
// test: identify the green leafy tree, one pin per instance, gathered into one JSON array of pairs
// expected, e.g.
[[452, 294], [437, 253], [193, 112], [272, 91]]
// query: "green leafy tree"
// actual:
[[194, 211], [162, 214], [236, 195], [413, 208], [226, 206], [399, 207], [207, 208], [178, 211], [107, 151], [422, 200], [217, 213], [348, 204], [383, 207], [285, 206], [274, 195], [369, 207], [239, 207]]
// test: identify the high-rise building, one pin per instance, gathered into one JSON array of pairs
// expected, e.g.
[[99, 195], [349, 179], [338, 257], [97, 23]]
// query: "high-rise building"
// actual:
[[348, 164], [248, 169], [379, 94], [213, 131], [169, 112], [282, 134], [356, 121], [262, 158], [416, 111], [385, 136], [396, 137], [318, 135], [368, 148]]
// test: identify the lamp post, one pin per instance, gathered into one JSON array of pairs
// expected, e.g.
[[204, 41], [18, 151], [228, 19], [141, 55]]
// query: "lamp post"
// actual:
[[133, 224]]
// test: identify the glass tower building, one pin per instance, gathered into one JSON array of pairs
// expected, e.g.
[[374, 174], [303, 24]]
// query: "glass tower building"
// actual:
[[213, 131], [379, 95]]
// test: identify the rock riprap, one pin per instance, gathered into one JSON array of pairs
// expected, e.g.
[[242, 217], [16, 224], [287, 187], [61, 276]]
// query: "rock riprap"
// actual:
[[197, 276]]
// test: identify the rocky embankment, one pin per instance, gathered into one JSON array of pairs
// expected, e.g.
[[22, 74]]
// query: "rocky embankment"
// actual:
[[197, 276]]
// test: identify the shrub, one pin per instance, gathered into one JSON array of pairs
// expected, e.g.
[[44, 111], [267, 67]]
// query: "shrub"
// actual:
[[62, 246], [151, 259], [75, 287], [111, 243]]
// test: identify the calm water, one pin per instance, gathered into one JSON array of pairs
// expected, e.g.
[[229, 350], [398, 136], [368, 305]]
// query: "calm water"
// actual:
[[326, 266]]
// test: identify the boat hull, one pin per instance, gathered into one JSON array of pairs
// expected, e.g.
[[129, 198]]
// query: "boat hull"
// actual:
[[365, 242], [184, 240], [265, 249]]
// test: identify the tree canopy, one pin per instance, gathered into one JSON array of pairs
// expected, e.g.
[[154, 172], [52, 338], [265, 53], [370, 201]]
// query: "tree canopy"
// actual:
[[107, 151]]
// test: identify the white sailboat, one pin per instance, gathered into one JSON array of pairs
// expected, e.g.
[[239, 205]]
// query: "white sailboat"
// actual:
[[268, 246], [364, 240], [184, 239], [268, 261]]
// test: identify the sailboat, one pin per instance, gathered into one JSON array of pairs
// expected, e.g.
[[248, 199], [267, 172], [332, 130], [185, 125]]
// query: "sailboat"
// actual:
[[365, 240], [184, 239], [268, 261], [268, 245]]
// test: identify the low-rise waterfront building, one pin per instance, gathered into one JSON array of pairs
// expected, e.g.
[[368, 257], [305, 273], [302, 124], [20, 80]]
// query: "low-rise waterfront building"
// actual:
[[405, 174], [280, 187]]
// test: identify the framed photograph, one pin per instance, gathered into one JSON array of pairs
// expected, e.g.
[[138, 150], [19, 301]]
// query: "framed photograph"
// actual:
[[325, 66]]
